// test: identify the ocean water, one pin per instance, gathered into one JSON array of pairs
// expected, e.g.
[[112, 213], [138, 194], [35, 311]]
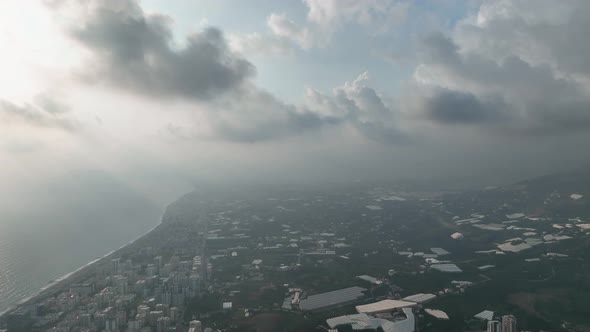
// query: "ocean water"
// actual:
[[28, 262], [81, 220]]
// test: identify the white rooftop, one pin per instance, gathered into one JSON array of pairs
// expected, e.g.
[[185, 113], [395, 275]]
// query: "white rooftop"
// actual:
[[333, 298], [419, 298], [457, 236], [370, 279], [437, 313], [515, 215], [439, 251], [486, 267], [362, 322], [485, 315], [446, 267], [514, 247], [383, 306], [552, 237]]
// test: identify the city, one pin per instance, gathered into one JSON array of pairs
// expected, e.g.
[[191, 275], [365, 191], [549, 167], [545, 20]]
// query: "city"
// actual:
[[300, 259]]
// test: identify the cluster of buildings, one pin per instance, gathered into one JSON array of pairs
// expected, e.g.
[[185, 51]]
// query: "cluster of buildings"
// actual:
[[387, 315], [256, 245], [506, 323], [121, 296]]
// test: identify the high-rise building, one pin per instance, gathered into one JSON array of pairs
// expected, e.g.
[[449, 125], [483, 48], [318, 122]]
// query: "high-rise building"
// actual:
[[162, 324], [494, 326], [173, 314], [115, 265], [195, 325], [508, 323], [158, 261], [121, 284]]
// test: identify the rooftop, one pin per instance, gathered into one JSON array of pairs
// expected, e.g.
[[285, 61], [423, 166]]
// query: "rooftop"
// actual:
[[437, 313], [383, 306], [485, 315], [439, 251], [333, 298], [446, 267], [419, 298], [363, 322]]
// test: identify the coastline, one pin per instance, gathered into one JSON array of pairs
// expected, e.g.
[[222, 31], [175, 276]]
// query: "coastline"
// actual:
[[58, 285]]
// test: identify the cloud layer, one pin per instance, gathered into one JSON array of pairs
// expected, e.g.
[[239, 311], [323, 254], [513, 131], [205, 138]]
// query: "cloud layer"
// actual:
[[503, 71], [501, 82], [134, 51]]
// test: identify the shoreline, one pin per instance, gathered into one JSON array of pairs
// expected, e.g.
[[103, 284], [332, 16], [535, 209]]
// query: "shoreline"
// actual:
[[59, 284]]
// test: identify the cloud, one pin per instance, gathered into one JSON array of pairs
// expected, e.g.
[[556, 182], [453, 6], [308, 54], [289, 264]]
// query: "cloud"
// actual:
[[36, 116], [135, 51], [380, 14], [363, 108], [51, 104], [282, 28], [455, 107], [539, 32], [455, 81], [259, 43], [324, 18], [259, 116], [465, 86]]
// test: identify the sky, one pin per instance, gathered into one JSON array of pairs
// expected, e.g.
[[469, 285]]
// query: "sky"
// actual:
[[160, 96]]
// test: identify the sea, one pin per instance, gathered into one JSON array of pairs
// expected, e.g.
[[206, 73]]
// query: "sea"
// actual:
[[28, 262], [52, 238]]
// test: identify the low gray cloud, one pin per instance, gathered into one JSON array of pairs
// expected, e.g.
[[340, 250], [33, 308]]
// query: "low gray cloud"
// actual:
[[459, 84], [456, 107], [360, 106], [259, 116], [31, 115], [292, 123], [136, 51], [49, 102], [467, 87], [538, 31]]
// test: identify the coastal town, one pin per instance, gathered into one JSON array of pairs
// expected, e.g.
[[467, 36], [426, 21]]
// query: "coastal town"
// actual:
[[370, 259]]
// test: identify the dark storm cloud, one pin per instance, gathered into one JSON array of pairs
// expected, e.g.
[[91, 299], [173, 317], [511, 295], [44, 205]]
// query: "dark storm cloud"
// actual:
[[31, 115], [136, 51]]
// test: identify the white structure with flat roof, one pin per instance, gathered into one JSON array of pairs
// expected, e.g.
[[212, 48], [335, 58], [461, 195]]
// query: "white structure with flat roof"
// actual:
[[420, 298], [363, 322], [370, 279], [485, 315], [332, 299], [446, 267], [437, 313], [439, 251], [383, 306], [457, 236]]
